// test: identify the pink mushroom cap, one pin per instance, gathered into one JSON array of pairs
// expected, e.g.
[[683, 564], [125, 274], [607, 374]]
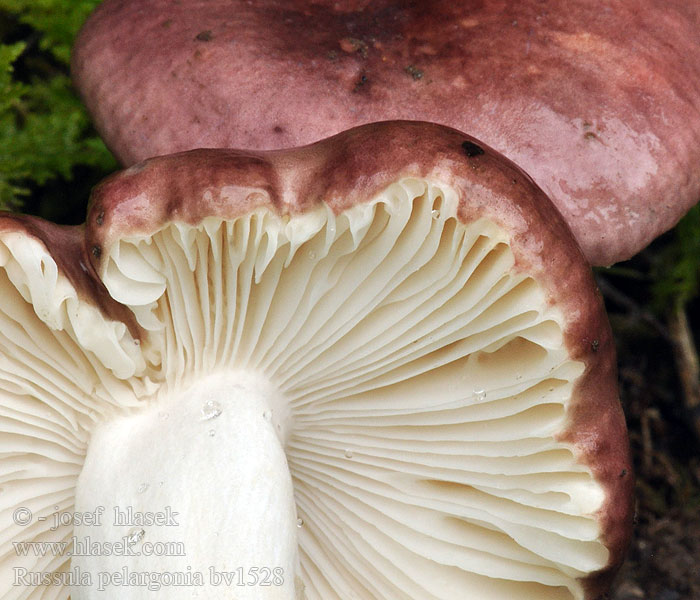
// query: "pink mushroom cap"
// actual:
[[599, 103]]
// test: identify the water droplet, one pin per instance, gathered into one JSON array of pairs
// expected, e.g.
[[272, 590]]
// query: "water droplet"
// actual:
[[212, 433], [312, 255], [349, 454], [267, 415], [300, 522], [211, 410], [135, 535], [161, 483], [518, 377], [435, 213], [143, 487], [332, 230], [480, 394], [137, 342], [163, 416]]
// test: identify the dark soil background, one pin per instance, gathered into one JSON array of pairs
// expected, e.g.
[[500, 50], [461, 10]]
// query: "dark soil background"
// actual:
[[663, 561]]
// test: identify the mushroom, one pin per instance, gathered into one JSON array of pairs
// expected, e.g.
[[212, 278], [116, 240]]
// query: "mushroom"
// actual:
[[599, 104], [374, 367]]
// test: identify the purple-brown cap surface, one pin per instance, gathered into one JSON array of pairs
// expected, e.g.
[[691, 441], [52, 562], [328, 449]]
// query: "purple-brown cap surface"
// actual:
[[599, 103], [377, 367]]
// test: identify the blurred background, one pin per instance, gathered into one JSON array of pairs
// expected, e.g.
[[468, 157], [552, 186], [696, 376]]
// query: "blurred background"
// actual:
[[51, 157]]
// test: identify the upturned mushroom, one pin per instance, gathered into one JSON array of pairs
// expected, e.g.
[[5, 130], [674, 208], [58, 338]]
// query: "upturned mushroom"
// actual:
[[374, 367], [600, 104]]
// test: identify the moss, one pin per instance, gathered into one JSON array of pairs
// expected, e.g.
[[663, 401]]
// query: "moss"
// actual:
[[45, 134]]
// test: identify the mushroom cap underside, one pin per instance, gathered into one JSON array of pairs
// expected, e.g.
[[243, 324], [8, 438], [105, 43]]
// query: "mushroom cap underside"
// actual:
[[439, 369]]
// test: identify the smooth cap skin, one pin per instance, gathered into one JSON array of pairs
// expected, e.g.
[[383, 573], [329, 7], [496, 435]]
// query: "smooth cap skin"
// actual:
[[599, 103], [378, 363]]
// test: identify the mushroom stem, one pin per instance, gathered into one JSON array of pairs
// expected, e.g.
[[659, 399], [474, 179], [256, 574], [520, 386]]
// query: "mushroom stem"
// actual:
[[197, 492]]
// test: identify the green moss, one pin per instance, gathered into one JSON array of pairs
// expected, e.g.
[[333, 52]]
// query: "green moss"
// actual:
[[45, 133], [676, 271]]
